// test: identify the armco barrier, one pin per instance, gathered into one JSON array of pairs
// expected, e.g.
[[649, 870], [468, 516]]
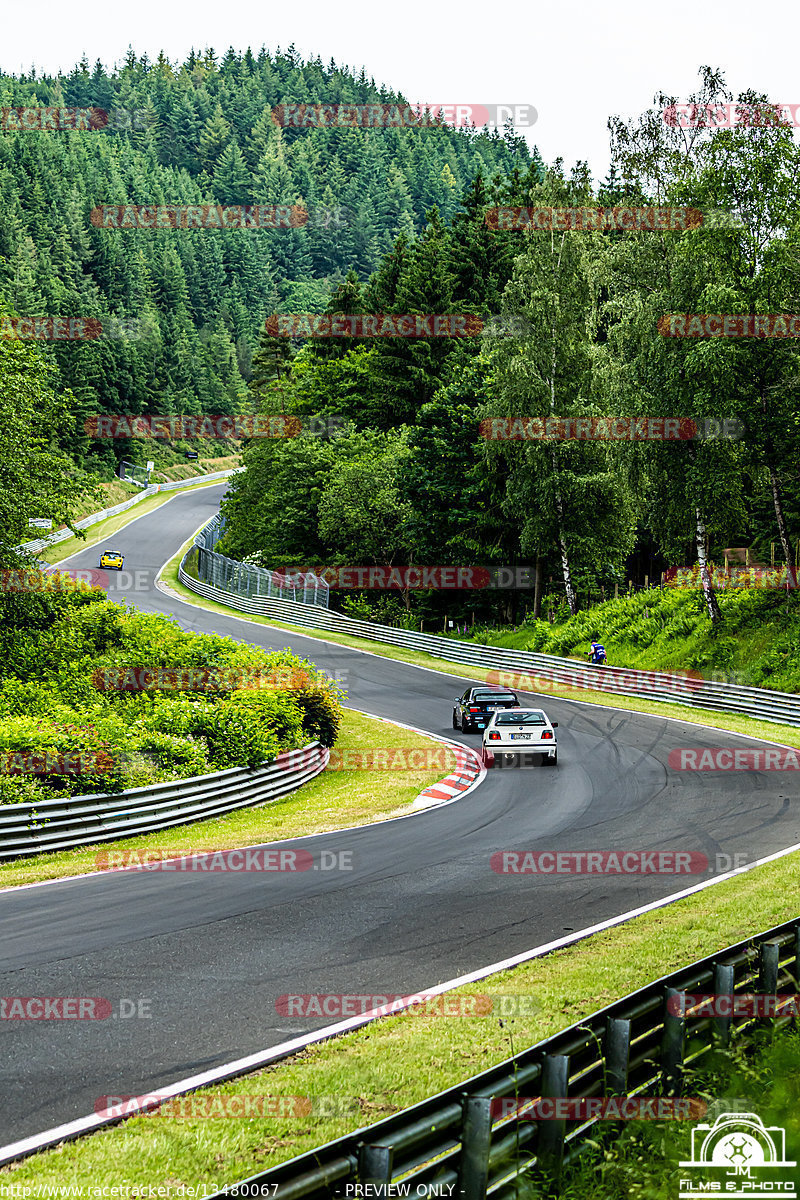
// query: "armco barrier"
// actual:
[[246, 580], [66, 822], [767, 705], [458, 1144], [62, 534]]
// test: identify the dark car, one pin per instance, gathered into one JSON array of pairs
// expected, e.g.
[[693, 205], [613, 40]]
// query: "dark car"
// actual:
[[474, 709]]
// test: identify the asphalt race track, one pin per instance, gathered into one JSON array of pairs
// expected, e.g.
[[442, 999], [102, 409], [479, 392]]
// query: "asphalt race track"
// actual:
[[210, 954]]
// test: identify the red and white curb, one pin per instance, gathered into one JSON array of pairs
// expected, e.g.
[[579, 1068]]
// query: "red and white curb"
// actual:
[[469, 769], [468, 774]]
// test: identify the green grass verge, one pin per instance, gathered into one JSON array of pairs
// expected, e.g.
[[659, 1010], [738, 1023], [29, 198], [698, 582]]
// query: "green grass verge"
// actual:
[[193, 470], [336, 799], [772, 731], [400, 1060]]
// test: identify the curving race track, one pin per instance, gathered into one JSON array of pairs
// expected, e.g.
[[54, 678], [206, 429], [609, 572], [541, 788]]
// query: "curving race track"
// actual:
[[212, 953]]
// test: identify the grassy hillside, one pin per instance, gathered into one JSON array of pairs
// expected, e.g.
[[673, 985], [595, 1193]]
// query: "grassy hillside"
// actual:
[[757, 642]]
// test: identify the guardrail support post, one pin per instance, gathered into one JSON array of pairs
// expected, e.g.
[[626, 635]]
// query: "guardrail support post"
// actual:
[[723, 986], [476, 1141], [550, 1139], [375, 1164], [672, 1046], [768, 955], [617, 1052]]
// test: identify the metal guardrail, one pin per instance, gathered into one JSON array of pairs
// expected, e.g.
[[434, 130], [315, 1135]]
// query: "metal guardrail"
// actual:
[[174, 484], [61, 535], [538, 670], [246, 581], [64, 823], [458, 1140]]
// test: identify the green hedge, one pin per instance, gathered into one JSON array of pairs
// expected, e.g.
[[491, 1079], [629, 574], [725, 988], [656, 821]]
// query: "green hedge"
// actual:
[[74, 718]]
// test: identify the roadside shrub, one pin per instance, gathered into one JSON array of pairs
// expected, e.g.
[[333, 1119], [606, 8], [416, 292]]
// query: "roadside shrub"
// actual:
[[67, 759], [174, 757], [321, 713], [79, 733], [237, 736], [22, 789]]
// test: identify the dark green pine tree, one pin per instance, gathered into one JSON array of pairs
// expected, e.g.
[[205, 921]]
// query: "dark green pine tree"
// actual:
[[272, 373], [232, 180], [381, 293], [411, 368], [214, 137], [347, 297], [481, 258]]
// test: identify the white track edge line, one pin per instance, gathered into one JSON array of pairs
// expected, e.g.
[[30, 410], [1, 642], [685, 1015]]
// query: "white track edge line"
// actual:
[[242, 1066]]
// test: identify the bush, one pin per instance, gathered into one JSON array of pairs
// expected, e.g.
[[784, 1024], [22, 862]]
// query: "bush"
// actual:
[[236, 735], [22, 789], [65, 759], [321, 713], [77, 734], [175, 757]]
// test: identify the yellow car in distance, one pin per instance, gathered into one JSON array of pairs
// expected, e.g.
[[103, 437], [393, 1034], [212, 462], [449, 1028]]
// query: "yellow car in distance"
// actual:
[[112, 560]]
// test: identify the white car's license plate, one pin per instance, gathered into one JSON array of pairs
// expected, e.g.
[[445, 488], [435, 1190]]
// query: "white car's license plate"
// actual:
[[515, 736]]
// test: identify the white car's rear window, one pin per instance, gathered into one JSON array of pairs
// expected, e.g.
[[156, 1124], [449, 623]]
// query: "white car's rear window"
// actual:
[[520, 718]]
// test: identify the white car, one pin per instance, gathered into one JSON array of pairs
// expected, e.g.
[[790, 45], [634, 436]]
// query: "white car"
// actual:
[[517, 732]]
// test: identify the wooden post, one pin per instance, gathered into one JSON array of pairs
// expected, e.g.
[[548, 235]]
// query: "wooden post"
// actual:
[[616, 590]]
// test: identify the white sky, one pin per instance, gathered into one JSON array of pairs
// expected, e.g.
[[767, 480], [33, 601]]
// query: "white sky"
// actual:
[[576, 61]]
